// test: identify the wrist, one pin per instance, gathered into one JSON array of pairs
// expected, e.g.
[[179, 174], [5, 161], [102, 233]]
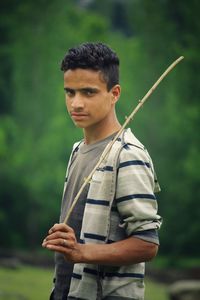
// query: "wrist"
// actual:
[[85, 255]]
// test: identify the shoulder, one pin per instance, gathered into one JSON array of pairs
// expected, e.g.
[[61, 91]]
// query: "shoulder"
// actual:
[[130, 139], [133, 148], [76, 146], [75, 149]]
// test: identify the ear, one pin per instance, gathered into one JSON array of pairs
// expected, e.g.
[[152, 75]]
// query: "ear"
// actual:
[[116, 91]]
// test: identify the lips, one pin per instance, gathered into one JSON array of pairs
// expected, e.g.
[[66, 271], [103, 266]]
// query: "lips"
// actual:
[[76, 115]]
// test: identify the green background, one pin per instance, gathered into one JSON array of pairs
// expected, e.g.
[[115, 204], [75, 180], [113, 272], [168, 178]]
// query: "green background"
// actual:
[[36, 134]]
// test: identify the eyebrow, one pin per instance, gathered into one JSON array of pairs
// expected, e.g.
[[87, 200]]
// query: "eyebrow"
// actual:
[[66, 89], [86, 89]]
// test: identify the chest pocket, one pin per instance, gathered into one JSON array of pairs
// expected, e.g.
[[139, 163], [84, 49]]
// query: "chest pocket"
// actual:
[[101, 184]]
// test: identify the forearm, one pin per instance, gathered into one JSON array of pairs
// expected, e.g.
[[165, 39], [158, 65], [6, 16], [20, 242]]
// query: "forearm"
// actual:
[[61, 238], [129, 251]]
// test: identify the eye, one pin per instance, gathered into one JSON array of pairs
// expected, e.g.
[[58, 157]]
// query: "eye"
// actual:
[[69, 92], [89, 92]]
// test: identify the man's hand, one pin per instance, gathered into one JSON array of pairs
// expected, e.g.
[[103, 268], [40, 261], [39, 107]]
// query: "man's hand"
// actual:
[[61, 238]]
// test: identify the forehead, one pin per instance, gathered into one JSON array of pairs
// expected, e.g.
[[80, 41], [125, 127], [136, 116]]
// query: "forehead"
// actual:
[[83, 77]]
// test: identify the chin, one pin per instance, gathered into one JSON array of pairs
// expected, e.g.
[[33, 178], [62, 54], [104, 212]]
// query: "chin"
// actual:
[[79, 125]]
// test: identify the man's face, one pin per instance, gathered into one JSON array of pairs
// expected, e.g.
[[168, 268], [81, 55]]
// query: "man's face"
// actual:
[[87, 99]]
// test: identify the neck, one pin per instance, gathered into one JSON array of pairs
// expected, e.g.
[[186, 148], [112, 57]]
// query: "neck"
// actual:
[[101, 131]]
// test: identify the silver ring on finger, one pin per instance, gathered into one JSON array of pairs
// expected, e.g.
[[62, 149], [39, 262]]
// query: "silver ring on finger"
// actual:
[[64, 242]]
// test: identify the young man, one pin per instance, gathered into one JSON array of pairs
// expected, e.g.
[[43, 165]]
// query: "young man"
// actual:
[[112, 230]]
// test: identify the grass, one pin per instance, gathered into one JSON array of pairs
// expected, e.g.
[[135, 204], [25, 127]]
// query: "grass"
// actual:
[[155, 291], [31, 283], [25, 283]]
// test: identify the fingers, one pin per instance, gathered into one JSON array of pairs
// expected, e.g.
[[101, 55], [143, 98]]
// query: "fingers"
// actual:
[[60, 242], [60, 227], [60, 231], [61, 238], [60, 235]]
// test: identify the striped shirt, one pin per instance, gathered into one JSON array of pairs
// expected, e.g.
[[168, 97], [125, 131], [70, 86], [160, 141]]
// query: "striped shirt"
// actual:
[[120, 203]]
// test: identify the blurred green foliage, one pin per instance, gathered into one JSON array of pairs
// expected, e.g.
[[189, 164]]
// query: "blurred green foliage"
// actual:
[[36, 135]]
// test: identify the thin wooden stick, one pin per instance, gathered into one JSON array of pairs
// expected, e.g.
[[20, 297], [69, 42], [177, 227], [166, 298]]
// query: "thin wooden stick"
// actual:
[[109, 146]]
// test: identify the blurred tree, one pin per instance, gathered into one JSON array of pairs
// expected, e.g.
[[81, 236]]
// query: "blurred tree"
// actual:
[[7, 8], [36, 136], [165, 30], [169, 29], [34, 139]]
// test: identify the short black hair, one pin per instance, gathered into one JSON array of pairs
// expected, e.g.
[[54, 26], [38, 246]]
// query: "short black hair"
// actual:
[[94, 56]]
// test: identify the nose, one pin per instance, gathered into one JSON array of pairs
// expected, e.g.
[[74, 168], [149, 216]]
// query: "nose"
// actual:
[[77, 102]]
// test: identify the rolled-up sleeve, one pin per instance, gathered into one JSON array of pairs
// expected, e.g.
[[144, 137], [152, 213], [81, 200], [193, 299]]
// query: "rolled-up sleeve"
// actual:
[[135, 192]]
